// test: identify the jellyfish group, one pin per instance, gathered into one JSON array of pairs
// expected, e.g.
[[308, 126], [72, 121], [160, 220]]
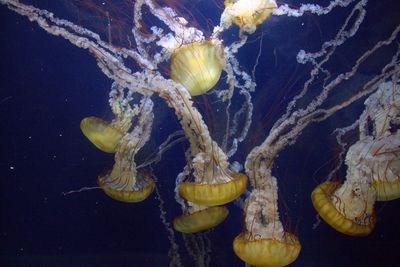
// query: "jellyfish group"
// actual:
[[195, 62]]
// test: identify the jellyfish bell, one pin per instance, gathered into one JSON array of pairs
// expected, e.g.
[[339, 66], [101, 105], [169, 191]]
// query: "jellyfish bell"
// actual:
[[247, 14], [216, 194], [125, 185], [200, 220], [197, 66], [100, 133], [323, 201], [267, 252]]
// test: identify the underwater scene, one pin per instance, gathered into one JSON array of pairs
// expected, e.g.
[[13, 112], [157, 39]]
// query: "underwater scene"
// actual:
[[199, 133]]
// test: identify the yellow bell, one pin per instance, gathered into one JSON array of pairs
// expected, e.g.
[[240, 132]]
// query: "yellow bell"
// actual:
[[321, 199], [214, 194], [267, 252], [101, 134], [200, 220], [197, 66], [119, 186]]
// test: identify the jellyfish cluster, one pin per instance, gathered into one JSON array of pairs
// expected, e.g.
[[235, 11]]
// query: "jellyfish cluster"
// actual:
[[177, 62]]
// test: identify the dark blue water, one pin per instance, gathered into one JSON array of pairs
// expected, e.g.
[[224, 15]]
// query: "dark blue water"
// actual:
[[47, 86]]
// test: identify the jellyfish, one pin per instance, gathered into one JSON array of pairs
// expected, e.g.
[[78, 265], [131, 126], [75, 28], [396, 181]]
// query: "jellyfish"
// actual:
[[213, 194], [247, 14], [264, 242], [372, 168], [200, 219], [348, 208], [103, 135], [197, 217], [197, 66], [124, 182], [106, 135]]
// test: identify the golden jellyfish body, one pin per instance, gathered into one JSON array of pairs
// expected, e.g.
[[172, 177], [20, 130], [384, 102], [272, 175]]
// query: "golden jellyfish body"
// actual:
[[267, 252], [100, 133], [322, 199], [214, 194], [200, 220], [197, 66], [126, 186]]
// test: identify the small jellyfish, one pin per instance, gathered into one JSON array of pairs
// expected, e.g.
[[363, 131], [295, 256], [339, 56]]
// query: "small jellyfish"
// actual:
[[247, 14], [126, 185], [104, 136], [200, 220]]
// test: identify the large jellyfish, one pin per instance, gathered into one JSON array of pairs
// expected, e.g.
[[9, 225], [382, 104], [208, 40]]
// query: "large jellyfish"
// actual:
[[372, 167], [349, 207]]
